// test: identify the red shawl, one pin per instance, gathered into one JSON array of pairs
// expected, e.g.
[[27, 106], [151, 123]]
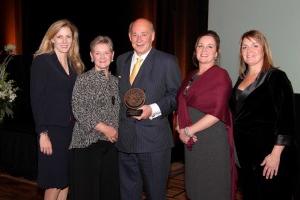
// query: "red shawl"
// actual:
[[209, 93]]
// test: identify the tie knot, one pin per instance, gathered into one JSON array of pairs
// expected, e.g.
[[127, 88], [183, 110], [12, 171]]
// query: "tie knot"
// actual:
[[138, 59]]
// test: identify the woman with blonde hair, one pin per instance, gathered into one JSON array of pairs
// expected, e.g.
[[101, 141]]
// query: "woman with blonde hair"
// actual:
[[262, 104], [54, 69]]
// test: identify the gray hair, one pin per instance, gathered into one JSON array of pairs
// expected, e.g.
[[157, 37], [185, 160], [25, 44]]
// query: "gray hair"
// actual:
[[102, 40]]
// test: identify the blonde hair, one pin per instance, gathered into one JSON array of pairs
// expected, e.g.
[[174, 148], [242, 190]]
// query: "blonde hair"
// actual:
[[262, 40], [46, 45]]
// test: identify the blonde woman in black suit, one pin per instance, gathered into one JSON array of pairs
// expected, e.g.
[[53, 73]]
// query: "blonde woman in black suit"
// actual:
[[53, 72]]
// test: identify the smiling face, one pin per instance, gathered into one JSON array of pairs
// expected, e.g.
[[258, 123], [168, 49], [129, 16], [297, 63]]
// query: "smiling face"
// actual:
[[102, 56], [252, 52], [62, 40], [141, 35], [206, 50]]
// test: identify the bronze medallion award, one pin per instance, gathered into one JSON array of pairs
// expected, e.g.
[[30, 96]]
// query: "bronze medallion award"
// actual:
[[134, 98]]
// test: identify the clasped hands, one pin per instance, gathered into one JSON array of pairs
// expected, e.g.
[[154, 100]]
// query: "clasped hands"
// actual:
[[184, 137], [110, 132]]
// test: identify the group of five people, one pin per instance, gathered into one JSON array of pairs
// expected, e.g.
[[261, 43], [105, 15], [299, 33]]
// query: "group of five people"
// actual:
[[90, 148]]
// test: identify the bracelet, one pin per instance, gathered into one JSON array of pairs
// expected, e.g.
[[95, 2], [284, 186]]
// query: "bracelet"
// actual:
[[187, 132]]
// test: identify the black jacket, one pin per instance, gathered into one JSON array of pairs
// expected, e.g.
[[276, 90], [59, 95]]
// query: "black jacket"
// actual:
[[50, 92], [263, 117]]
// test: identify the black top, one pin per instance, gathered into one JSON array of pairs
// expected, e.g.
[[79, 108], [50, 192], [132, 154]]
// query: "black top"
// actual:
[[263, 116]]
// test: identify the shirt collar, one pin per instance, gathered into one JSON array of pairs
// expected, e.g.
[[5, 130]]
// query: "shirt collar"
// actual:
[[143, 56]]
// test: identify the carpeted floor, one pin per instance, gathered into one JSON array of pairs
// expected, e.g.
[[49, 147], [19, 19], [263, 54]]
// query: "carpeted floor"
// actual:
[[17, 188]]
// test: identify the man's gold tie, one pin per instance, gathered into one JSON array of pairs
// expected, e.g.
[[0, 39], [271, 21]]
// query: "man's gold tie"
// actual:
[[135, 69]]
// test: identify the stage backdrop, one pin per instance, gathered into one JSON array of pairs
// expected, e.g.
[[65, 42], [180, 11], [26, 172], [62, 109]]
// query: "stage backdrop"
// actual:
[[278, 19]]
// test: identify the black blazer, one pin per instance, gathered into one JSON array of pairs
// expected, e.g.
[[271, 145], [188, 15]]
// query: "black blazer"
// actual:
[[263, 117], [159, 77], [50, 92]]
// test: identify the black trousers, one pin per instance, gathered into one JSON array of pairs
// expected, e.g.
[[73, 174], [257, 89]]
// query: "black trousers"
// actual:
[[94, 173]]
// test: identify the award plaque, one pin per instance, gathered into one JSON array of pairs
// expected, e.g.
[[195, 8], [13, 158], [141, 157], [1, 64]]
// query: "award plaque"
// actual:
[[134, 98]]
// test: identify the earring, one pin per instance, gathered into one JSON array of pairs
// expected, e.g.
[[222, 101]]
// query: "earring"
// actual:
[[112, 60], [92, 60]]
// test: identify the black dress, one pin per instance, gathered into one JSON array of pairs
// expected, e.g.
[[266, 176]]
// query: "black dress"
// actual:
[[51, 90], [264, 117]]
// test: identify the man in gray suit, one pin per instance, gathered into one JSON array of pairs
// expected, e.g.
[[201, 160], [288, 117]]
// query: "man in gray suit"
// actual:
[[145, 141]]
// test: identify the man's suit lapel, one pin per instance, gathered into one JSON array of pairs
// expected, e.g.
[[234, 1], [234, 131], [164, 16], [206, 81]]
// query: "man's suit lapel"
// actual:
[[127, 70]]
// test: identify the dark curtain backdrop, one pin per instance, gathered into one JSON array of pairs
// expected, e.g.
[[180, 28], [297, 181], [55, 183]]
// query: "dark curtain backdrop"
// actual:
[[178, 25], [177, 22]]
